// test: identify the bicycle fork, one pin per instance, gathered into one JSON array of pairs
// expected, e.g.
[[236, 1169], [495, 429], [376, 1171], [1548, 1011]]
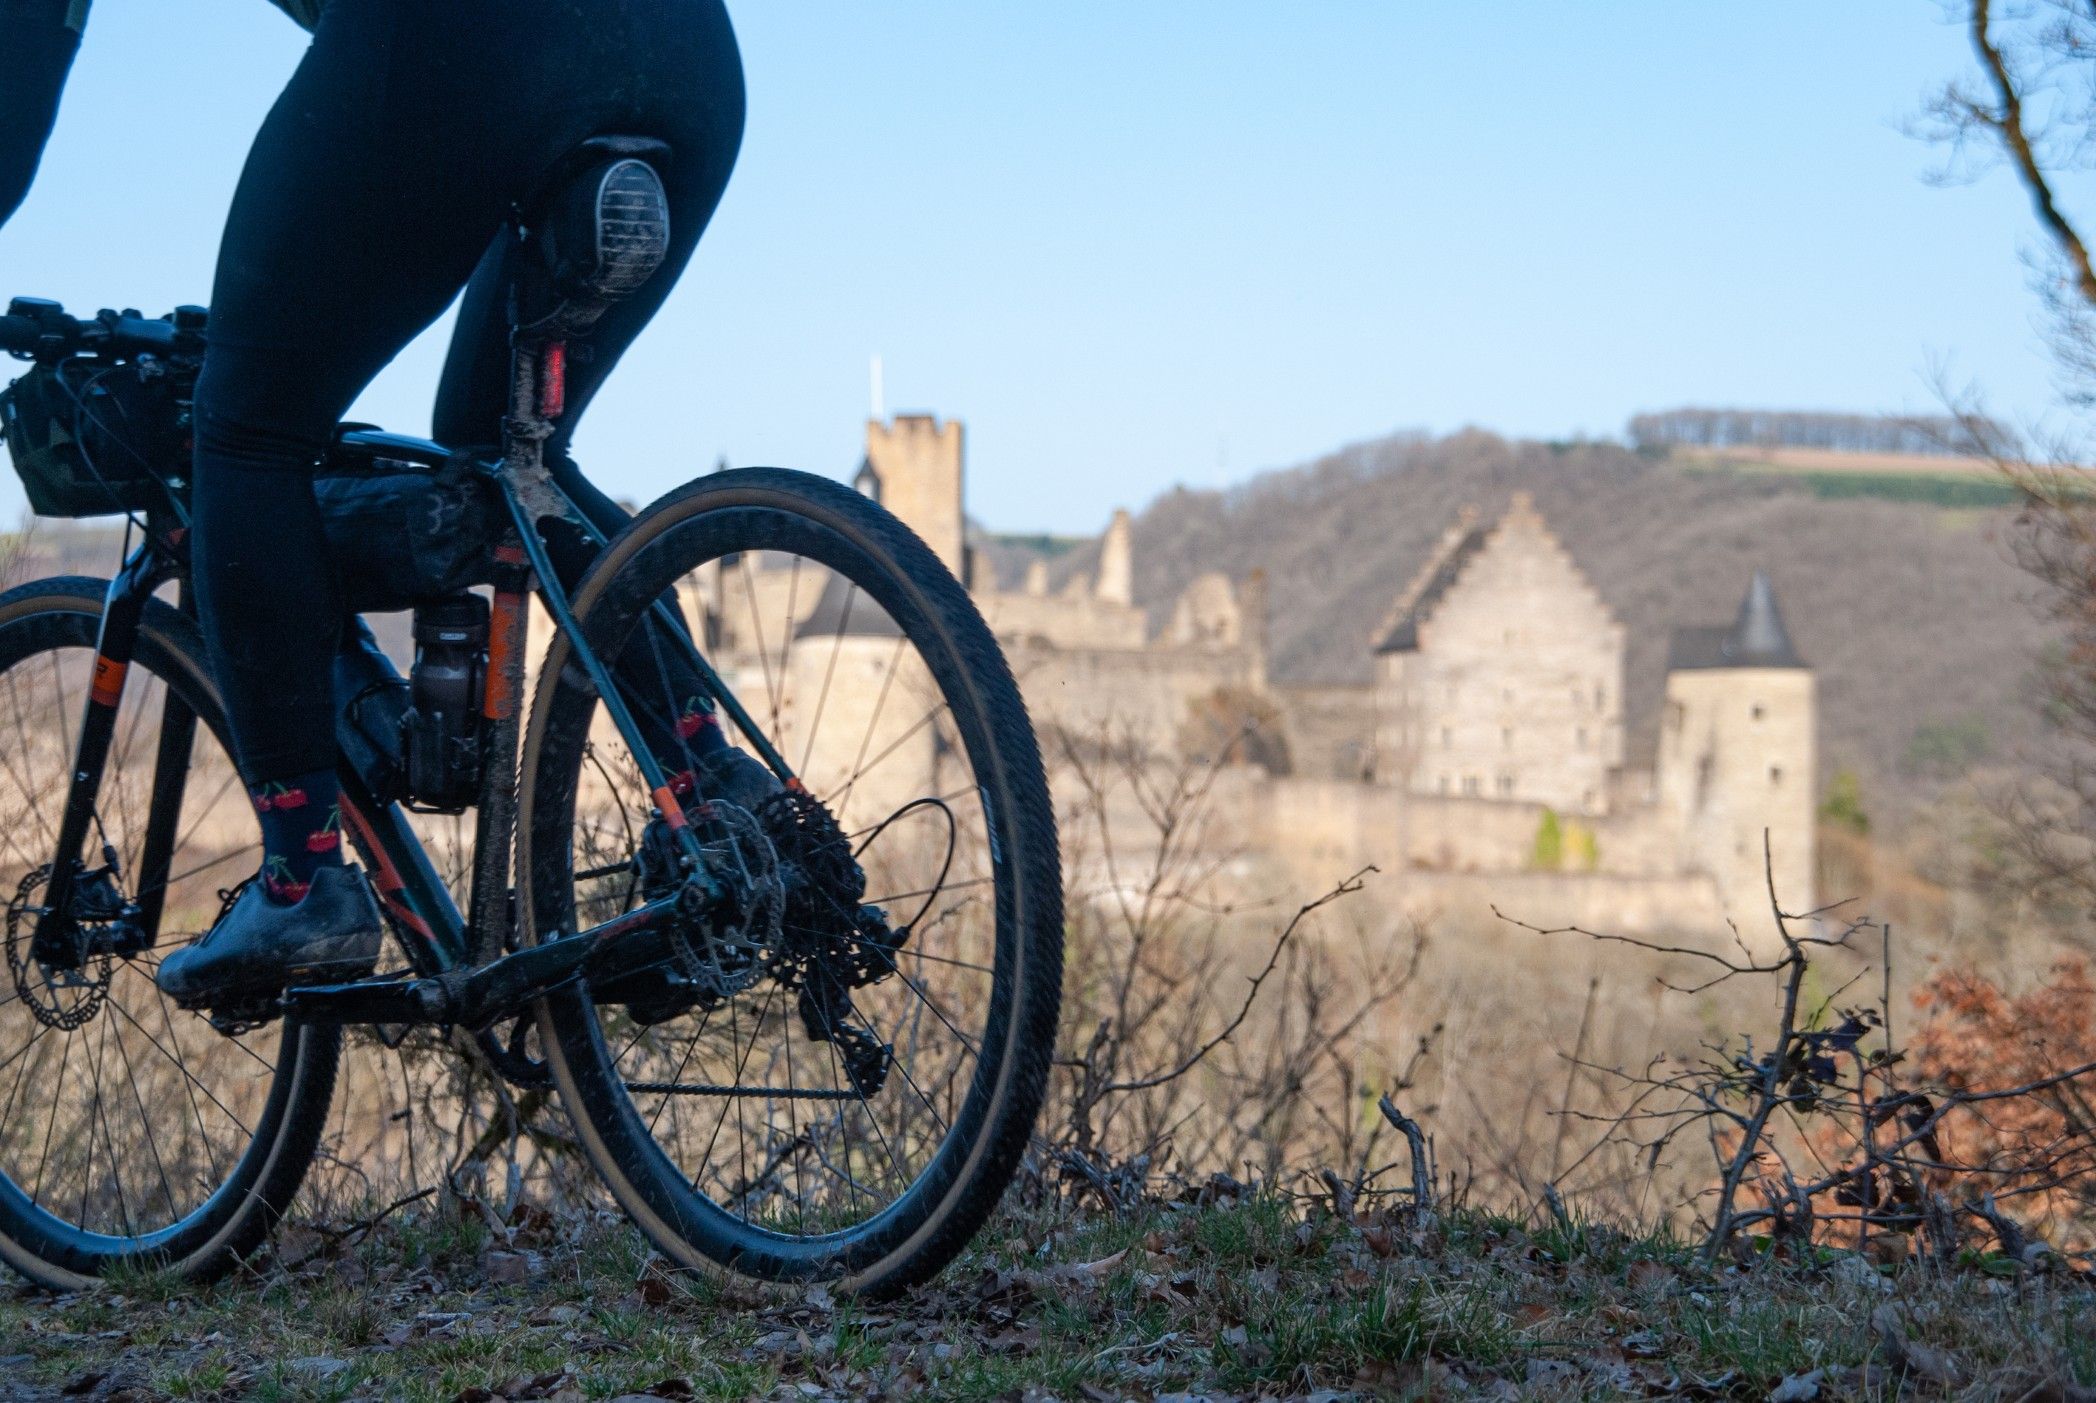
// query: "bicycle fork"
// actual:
[[79, 897]]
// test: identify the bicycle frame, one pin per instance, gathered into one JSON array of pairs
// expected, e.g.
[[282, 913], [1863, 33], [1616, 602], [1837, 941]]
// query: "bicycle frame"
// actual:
[[465, 967]]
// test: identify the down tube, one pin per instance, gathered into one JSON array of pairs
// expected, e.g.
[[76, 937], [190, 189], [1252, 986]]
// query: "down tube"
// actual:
[[415, 897]]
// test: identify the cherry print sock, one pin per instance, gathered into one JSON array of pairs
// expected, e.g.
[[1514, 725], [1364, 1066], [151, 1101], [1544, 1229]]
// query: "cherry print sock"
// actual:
[[301, 831]]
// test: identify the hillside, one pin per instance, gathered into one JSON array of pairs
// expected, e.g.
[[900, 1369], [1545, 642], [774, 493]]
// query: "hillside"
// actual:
[[1920, 625]]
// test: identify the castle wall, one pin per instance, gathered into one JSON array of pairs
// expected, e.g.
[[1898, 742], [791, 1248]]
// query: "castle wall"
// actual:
[[1330, 730], [1131, 695], [1514, 691], [1062, 621], [1458, 858]]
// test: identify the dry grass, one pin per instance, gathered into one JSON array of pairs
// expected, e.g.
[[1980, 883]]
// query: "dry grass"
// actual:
[[1251, 1297]]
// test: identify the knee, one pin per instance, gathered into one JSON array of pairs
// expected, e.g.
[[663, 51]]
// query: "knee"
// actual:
[[251, 415]]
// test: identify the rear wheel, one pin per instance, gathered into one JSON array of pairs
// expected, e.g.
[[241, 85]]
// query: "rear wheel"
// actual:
[[132, 1133], [844, 1109]]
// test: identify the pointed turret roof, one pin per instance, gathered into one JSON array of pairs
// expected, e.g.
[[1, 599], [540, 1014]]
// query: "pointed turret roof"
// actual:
[[1757, 637]]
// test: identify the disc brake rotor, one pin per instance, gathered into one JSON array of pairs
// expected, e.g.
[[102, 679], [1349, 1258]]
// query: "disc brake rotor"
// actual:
[[60, 999]]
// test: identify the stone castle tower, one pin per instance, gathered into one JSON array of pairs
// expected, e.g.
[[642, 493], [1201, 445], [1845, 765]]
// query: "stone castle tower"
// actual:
[[1738, 754], [914, 468]]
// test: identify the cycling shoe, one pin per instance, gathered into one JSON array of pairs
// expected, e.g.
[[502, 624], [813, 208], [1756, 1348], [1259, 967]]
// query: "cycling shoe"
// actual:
[[260, 947]]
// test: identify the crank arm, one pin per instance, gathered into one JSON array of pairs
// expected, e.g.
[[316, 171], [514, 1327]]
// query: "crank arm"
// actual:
[[478, 997]]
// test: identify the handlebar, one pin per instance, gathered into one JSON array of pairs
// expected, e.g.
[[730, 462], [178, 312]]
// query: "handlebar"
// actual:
[[44, 331]]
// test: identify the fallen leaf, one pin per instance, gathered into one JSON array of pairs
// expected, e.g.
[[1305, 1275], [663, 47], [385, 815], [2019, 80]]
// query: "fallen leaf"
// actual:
[[1798, 1388], [1889, 1249], [510, 1268], [1650, 1276], [1087, 1272]]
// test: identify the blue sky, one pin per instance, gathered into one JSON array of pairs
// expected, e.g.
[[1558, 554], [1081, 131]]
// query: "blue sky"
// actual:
[[1137, 244]]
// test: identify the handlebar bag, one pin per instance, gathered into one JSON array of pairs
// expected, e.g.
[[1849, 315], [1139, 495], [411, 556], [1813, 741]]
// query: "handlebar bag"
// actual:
[[398, 537], [89, 439]]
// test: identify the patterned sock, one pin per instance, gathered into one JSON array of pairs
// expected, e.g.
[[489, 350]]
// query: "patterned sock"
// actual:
[[700, 730], [301, 831]]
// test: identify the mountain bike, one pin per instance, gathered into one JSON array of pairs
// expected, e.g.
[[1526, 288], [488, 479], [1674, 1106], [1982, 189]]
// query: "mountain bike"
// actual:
[[800, 1038]]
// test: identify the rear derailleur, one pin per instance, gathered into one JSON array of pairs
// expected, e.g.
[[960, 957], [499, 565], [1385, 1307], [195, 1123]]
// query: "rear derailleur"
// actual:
[[800, 918]]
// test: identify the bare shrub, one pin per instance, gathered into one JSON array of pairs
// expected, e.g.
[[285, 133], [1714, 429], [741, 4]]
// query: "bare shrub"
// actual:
[[1190, 1046], [1820, 1128]]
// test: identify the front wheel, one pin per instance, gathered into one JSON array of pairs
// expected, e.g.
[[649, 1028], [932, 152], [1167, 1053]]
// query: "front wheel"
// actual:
[[827, 1111], [133, 1135]]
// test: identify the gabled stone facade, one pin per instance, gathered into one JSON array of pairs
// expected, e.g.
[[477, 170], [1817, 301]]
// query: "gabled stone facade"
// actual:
[[1499, 673]]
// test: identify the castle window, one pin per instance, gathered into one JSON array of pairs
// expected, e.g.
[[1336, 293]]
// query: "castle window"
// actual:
[[1506, 736], [1447, 739], [1580, 737], [1470, 785], [1600, 697], [1759, 711], [1444, 784], [1506, 785], [1775, 775]]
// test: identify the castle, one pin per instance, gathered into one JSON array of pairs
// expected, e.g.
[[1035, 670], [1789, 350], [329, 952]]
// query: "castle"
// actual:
[[1485, 763]]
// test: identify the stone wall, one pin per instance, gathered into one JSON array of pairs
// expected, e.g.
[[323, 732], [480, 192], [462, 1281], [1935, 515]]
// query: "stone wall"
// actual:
[[1330, 730], [1065, 621], [1139, 696]]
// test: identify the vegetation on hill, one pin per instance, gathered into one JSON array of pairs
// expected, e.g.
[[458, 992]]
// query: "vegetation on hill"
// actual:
[[1802, 428]]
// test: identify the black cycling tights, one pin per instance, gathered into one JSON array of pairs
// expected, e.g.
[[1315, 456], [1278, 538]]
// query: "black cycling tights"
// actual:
[[377, 189]]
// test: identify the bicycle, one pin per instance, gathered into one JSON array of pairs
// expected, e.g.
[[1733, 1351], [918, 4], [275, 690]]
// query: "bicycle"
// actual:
[[857, 978]]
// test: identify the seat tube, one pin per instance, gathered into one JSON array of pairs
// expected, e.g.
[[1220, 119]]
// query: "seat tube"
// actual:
[[494, 838]]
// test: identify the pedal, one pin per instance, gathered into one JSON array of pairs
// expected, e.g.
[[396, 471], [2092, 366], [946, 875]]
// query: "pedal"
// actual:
[[242, 1016]]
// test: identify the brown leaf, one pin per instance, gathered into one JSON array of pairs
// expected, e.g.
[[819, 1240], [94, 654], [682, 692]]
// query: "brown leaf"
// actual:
[[654, 1289], [509, 1268], [1889, 1249], [1090, 1271], [1650, 1276], [1023, 1340]]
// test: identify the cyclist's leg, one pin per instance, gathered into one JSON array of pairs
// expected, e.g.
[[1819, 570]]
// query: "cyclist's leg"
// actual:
[[348, 233], [700, 115], [344, 239]]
